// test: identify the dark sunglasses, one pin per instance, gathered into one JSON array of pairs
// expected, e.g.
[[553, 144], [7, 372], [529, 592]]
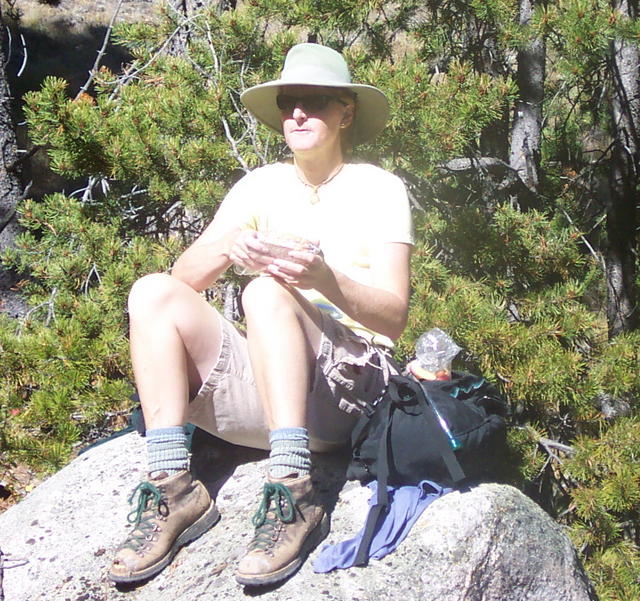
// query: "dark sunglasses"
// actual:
[[309, 104]]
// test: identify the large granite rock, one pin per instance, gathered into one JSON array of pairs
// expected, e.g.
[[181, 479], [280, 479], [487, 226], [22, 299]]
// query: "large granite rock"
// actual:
[[489, 544]]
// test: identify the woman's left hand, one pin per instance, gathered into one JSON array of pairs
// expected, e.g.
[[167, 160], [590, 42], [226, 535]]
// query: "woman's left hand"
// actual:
[[305, 269]]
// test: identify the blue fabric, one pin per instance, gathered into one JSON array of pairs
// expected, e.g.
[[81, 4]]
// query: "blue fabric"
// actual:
[[406, 504]]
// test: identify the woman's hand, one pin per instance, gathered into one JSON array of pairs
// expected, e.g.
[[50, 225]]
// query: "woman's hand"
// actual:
[[299, 268], [303, 269], [248, 252]]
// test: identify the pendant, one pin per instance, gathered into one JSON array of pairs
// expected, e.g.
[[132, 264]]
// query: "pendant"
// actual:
[[314, 197]]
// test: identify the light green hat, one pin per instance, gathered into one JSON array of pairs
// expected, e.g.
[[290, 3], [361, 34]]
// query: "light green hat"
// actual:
[[316, 65]]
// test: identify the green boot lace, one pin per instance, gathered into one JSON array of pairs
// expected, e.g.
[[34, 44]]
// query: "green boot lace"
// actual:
[[268, 524], [144, 516]]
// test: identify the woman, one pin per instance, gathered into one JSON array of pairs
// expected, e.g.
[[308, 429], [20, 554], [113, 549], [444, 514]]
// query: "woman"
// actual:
[[331, 243]]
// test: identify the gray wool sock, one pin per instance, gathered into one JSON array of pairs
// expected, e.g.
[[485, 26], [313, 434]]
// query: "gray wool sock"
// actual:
[[167, 450], [289, 452]]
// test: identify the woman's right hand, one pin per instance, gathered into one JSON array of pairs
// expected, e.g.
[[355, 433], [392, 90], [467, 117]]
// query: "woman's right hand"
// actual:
[[248, 252]]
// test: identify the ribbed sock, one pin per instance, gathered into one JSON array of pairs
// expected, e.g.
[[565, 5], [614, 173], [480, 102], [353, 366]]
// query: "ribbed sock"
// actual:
[[289, 452], [167, 450]]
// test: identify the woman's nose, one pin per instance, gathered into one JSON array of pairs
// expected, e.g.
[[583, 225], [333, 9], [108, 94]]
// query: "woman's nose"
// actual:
[[298, 113]]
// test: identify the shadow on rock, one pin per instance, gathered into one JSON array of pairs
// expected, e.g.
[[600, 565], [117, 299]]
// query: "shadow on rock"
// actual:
[[213, 462]]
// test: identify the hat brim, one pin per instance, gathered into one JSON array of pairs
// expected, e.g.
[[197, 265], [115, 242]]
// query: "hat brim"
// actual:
[[372, 106]]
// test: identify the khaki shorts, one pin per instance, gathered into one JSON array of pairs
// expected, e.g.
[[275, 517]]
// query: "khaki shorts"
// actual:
[[350, 373]]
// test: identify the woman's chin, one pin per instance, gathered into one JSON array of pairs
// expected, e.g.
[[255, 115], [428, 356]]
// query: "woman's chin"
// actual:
[[301, 142]]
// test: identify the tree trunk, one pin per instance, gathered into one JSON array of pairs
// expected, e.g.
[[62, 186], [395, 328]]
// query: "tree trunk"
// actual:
[[620, 255], [186, 9], [527, 122], [10, 187]]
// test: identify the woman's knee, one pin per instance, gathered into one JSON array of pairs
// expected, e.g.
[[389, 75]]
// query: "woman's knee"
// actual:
[[151, 291], [266, 294]]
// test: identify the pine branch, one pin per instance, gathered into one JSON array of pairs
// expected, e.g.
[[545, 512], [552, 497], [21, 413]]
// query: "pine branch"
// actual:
[[50, 304], [101, 52], [25, 156], [25, 56], [599, 259], [491, 165], [511, 179], [234, 146], [550, 446], [129, 75], [87, 282]]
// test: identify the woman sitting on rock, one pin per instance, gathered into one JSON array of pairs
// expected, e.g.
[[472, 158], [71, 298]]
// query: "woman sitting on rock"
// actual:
[[329, 242]]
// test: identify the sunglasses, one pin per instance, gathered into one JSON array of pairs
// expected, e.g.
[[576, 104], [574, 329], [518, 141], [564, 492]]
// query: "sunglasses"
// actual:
[[309, 104]]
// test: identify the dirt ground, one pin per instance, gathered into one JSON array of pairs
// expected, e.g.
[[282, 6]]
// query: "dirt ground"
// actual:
[[16, 480], [79, 13]]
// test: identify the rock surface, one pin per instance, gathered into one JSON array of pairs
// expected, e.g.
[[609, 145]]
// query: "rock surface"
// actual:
[[489, 544]]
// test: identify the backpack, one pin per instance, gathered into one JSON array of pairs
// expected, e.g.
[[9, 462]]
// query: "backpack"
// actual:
[[451, 432]]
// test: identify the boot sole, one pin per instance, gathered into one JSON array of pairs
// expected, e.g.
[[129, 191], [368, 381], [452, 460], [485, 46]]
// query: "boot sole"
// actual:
[[198, 528], [316, 536]]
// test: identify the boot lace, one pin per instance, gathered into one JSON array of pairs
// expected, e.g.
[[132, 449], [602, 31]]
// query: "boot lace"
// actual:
[[268, 523], [143, 516]]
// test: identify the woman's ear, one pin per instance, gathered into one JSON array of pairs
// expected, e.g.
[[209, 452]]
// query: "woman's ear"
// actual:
[[347, 116]]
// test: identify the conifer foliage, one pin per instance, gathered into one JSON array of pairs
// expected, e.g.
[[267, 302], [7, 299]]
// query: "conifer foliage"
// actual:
[[513, 256]]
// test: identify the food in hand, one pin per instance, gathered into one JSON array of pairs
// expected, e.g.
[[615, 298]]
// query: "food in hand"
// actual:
[[280, 244]]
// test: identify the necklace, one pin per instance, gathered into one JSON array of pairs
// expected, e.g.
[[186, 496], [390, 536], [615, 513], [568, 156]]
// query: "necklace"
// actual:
[[314, 197]]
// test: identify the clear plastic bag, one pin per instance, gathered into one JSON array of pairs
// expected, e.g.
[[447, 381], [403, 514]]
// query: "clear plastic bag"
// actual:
[[435, 350]]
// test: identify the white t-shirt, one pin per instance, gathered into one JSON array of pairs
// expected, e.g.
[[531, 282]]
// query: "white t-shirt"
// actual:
[[362, 206]]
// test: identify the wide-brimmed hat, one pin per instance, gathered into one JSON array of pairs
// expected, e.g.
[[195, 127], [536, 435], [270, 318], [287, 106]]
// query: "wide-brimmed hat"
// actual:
[[316, 65]]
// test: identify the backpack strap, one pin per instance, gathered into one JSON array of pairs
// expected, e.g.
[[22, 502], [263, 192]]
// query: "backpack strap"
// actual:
[[382, 499], [361, 428]]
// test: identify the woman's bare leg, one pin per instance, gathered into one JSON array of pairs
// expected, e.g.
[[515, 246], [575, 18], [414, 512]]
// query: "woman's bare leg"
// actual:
[[283, 332], [175, 341]]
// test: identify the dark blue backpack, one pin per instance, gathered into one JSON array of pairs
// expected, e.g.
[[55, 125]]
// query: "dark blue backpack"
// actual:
[[451, 432]]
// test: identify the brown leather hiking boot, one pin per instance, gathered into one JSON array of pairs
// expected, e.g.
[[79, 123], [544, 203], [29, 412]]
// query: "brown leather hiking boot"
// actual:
[[171, 511], [289, 523]]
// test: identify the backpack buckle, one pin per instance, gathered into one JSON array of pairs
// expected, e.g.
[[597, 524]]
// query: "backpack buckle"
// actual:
[[370, 408]]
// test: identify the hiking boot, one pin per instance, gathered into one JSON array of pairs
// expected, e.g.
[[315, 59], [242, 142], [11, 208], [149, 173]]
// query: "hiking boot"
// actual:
[[289, 523], [170, 512]]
